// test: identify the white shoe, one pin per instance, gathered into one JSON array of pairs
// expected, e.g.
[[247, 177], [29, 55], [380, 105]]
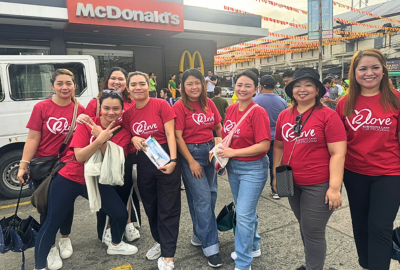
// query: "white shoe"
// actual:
[[122, 249], [54, 261], [163, 265], [131, 233], [256, 254], [66, 249], [275, 195], [107, 237], [195, 244], [154, 253]]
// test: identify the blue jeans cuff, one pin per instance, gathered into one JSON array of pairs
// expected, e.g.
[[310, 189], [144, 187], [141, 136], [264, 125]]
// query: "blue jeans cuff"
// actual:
[[256, 247], [211, 250]]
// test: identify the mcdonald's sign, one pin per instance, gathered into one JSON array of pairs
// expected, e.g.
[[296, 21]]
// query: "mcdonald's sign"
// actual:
[[192, 59]]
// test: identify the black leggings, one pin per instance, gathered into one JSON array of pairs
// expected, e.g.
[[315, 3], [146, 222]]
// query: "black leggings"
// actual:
[[123, 192], [374, 202]]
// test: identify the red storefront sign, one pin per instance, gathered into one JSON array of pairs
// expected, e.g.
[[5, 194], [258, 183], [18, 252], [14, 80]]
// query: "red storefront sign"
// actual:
[[144, 14]]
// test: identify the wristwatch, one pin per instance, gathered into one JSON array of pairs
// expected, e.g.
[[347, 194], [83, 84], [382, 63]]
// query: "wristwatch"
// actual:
[[173, 160]]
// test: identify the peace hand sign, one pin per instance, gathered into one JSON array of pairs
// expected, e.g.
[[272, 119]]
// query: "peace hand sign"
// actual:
[[106, 135], [96, 130]]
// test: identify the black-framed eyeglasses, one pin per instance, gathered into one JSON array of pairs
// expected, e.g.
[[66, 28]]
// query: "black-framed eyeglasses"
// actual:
[[297, 126]]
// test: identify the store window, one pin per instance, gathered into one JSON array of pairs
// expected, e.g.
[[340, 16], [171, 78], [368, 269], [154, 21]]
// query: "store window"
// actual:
[[25, 51], [33, 81]]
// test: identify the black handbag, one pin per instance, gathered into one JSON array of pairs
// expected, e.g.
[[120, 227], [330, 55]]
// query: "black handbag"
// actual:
[[40, 168], [284, 173]]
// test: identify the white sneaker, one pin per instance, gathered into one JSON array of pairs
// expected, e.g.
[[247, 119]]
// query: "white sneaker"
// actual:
[[66, 249], [154, 253], [195, 244], [107, 237], [122, 249], [163, 265], [256, 254], [54, 261], [131, 233], [275, 195]]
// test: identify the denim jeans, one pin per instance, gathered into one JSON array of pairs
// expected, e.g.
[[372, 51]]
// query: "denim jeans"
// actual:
[[247, 180], [202, 196]]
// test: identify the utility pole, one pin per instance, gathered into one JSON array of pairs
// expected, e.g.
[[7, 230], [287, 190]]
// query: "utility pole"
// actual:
[[320, 38]]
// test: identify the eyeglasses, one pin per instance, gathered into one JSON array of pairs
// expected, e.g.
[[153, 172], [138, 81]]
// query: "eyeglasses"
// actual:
[[297, 126], [111, 92]]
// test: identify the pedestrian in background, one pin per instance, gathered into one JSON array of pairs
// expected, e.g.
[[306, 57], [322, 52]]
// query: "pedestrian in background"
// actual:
[[274, 105], [220, 103], [159, 187], [287, 77], [333, 94], [247, 167], [370, 112], [45, 138], [197, 118], [313, 138], [211, 81], [153, 85], [166, 94], [278, 90], [172, 85]]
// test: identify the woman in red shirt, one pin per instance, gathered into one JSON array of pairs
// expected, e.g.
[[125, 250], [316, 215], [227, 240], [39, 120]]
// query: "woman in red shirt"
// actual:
[[247, 167], [159, 187], [370, 112], [48, 126], [196, 119], [69, 183], [115, 78], [311, 138]]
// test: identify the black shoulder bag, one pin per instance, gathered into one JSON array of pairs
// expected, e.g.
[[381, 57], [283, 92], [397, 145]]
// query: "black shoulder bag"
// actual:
[[284, 173]]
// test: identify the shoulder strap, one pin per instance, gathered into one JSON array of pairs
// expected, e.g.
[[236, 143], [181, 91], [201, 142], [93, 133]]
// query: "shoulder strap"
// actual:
[[243, 117], [98, 107], [71, 130]]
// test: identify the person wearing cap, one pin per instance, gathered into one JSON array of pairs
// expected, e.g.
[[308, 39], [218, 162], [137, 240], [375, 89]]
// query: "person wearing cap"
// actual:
[[370, 112], [274, 105], [313, 138]]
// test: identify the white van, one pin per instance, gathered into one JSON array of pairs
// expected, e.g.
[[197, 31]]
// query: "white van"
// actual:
[[25, 81]]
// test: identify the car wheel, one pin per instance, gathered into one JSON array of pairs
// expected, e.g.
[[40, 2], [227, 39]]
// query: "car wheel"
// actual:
[[9, 185]]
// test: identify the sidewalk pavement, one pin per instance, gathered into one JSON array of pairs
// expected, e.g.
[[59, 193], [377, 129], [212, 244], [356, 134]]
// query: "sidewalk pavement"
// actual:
[[281, 243]]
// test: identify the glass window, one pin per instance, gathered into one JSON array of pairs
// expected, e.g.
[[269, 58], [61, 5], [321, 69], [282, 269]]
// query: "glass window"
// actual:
[[33, 81], [1, 89]]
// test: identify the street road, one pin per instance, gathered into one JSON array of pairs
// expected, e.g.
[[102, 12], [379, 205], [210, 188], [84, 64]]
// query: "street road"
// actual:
[[281, 243]]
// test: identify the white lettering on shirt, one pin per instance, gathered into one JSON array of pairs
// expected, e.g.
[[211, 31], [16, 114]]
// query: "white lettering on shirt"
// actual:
[[289, 135], [364, 119], [143, 128], [228, 125], [57, 125], [201, 119]]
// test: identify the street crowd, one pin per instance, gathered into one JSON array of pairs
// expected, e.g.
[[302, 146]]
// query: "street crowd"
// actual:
[[328, 131]]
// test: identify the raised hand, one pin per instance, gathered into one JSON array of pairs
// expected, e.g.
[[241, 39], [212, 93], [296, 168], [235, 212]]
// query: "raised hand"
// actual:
[[106, 134], [96, 130]]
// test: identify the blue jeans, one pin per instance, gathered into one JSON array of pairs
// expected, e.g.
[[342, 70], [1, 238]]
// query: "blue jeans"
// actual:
[[202, 196], [247, 180]]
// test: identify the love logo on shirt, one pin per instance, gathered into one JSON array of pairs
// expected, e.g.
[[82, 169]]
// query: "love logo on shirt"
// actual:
[[364, 119], [57, 125], [306, 136], [142, 127], [228, 125], [202, 119]]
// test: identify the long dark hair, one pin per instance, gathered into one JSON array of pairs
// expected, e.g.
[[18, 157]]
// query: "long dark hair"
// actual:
[[388, 100], [104, 84], [203, 96]]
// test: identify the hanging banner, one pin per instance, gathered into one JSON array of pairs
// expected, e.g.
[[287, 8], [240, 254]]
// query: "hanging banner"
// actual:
[[313, 19]]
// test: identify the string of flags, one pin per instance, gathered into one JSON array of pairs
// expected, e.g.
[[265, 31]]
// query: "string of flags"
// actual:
[[283, 6]]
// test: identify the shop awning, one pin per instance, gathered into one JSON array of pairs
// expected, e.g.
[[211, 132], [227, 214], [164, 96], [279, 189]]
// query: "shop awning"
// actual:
[[394, 74]]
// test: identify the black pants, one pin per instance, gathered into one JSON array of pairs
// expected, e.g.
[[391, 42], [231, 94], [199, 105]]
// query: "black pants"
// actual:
[[123, 192], [161, 198], [270, 155], [65, 228], [210, 94], [374, 202]]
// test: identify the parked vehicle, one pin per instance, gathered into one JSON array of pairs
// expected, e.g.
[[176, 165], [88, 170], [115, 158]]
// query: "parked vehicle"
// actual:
[[227, 91], [24, 81]]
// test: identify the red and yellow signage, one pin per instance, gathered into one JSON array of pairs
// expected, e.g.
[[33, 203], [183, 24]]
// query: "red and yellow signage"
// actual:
[[145, 14]]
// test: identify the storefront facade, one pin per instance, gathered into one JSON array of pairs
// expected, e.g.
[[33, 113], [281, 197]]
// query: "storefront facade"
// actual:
[[145, 35]]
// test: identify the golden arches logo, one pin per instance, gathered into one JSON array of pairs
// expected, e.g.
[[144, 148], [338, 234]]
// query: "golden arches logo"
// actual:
[[192, 59]]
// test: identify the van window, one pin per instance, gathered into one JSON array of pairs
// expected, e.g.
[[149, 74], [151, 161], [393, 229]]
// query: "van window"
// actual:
[[33, 81]]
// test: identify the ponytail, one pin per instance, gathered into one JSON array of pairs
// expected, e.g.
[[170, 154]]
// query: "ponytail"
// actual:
[[64, 71]]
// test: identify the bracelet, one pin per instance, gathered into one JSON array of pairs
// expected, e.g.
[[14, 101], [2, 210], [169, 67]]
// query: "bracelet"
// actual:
[[25, 161], [173, 160]]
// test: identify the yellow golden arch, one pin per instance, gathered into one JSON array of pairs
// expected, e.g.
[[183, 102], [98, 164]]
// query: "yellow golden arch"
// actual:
[[191, 60]]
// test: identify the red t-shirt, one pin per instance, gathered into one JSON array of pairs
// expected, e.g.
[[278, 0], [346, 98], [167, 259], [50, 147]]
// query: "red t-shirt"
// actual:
[[149, 120], [310, 159], [253, 129], [372, 137], [197, 126], [74, 170], [92, 106], [53, 121]]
